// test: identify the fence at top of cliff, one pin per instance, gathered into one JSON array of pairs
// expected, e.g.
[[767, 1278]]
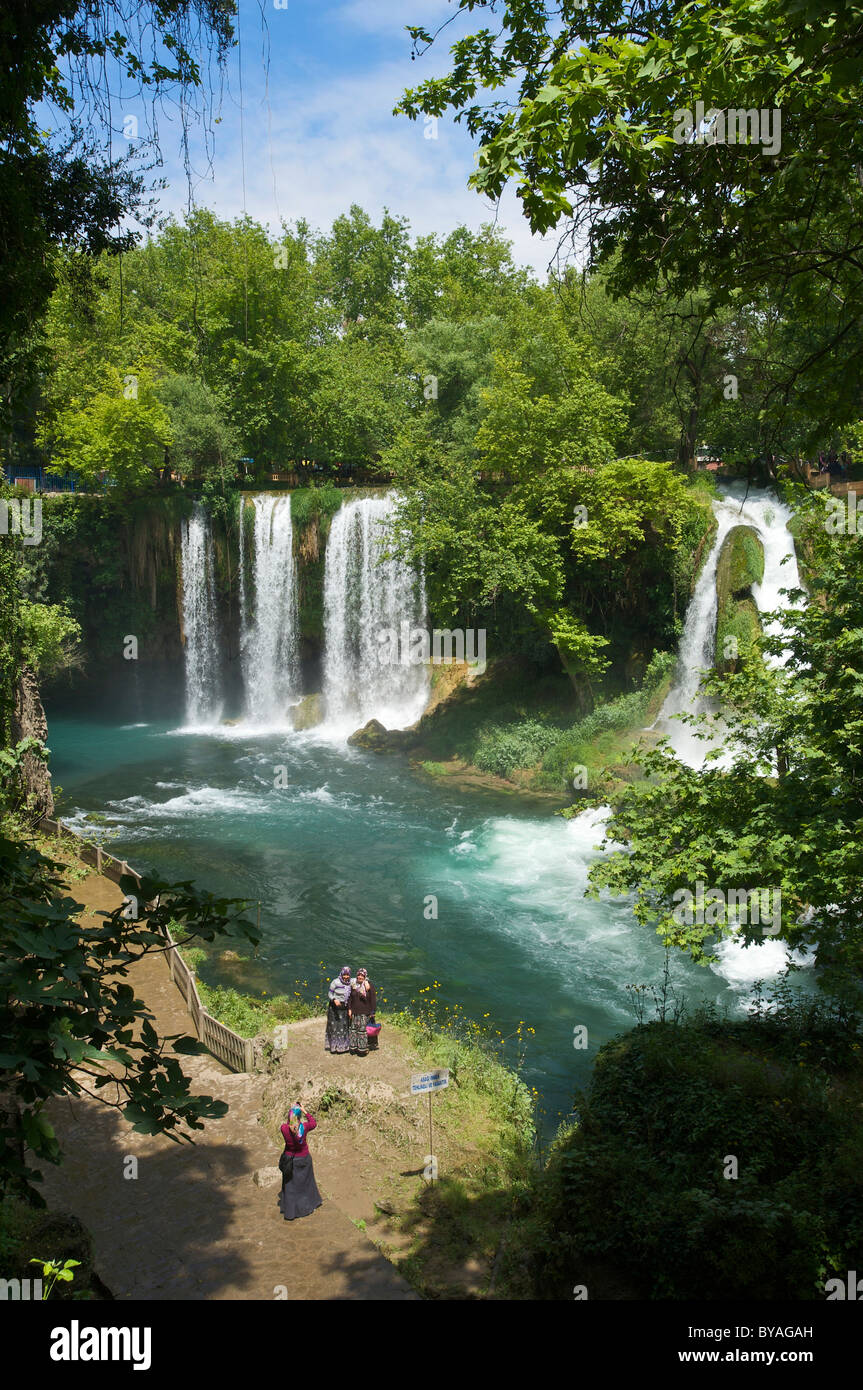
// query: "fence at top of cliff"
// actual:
[[236, 1052]]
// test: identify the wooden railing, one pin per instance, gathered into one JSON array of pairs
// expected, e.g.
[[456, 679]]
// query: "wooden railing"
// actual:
[[236, 1052]]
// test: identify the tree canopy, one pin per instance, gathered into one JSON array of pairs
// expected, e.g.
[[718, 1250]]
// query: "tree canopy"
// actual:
[[596, 143]]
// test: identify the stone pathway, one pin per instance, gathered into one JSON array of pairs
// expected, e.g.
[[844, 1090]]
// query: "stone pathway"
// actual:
[[192, 1224]]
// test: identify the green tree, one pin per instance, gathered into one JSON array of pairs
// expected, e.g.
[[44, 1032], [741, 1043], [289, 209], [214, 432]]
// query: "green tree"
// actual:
[[361, 268], [71, 1024], [595, 137], [119, 434], [62, 190], [203, 444], [464, 275]]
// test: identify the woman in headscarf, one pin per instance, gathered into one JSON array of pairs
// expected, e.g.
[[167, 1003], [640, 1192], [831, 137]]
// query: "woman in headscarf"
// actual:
[[338, 1021], [363, 1001], [299, 1195]]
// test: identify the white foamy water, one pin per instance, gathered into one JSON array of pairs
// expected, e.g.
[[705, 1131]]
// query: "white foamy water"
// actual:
[[202, 658], [739, 965], [269, 616], [192, 802], [769, 518], [366, 595]]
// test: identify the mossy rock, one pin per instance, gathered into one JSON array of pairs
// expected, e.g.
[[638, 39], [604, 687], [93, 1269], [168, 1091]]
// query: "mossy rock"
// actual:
[[738, 625], [738, 622], [308, 713], [377, 739], [741, 564]]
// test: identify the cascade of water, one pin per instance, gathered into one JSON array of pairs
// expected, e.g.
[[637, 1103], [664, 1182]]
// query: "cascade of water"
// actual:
[[365, 596], [242, 565], [269, 630], [203, 693], [769, 518]]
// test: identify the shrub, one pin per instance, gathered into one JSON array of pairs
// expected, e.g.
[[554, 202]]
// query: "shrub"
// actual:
[[626, 712], [307, 503], [504, 747], [640, 1184]]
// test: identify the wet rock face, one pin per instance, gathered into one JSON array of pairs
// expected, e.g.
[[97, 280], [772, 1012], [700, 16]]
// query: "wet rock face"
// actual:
[[372, 736], [308, 713], [377, 739], [28, 721]]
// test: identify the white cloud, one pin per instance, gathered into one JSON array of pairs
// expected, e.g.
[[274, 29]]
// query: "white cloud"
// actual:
[[332, 141], [387, 17]]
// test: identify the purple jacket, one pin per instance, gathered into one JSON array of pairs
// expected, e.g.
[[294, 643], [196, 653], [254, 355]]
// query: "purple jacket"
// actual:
[[293, 1143]]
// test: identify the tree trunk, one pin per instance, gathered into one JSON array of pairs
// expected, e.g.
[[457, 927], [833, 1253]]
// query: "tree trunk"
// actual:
[[689, 441], [28, 721]]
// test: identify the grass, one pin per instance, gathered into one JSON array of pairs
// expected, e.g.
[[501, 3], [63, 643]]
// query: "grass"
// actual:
[[501, 749], [517, 726], [604, 736], [247, 1014], [455, 1226], [308, 503]]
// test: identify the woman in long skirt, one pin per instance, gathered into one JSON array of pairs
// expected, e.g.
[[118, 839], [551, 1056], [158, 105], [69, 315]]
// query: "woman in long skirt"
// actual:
[[299, 1195], [363, 1002], [338, 1021]]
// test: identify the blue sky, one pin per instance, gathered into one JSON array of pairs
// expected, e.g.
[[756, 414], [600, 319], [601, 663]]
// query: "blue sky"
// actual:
[[336, 70]]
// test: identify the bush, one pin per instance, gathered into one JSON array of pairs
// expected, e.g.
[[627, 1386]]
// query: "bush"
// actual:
[[247, 1015], [626, 712], [640, 1184], [504, 747], [308, 503]]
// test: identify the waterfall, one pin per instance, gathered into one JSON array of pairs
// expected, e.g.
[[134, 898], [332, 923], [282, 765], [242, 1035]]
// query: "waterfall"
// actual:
[[364, 595], [269, 621], [769, 518], [695, 653], [203, 689], [242, 565]]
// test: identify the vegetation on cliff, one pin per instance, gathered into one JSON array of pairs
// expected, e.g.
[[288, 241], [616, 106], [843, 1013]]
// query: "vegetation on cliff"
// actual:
[[711, 1159]]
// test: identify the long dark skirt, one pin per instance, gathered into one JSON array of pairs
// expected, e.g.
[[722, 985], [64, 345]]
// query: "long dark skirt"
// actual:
[[300, 1196], [359, 1038], [338, 1023]]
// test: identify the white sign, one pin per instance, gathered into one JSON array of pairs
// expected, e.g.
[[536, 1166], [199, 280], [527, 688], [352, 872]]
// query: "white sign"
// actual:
[[423, 1081]]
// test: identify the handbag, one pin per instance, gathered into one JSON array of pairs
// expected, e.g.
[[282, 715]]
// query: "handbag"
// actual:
[[372, 1028], [286, 1166]]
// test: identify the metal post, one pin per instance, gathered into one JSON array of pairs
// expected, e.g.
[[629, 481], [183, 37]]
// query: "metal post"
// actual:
[[431, 1139]]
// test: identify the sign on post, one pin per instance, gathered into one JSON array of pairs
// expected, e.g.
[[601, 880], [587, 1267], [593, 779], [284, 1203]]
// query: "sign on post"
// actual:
[[422, 1081], [426, 1083]]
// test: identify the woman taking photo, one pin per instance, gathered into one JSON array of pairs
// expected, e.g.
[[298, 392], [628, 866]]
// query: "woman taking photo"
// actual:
[[338, 1022], [299, 1195], [362, 1008]]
